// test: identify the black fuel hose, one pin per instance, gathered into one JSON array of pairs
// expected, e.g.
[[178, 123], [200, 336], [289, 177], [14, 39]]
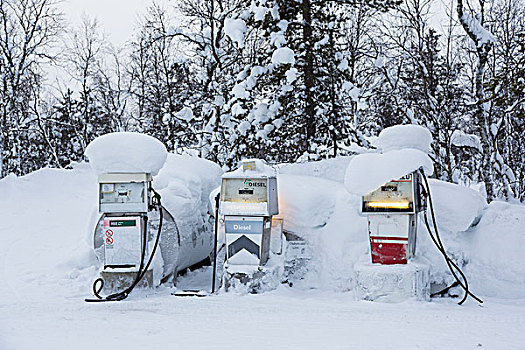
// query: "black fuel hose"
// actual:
[[453, 267], [142, 269]]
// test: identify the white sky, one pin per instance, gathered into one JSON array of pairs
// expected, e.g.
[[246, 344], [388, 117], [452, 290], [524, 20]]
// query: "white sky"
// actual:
[[115, 17]]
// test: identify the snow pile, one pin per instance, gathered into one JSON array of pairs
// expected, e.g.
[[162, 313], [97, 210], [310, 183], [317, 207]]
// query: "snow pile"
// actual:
[[306, 202], [53, 212], [457, 210], [126, 152], [235, 29], [404, 136], [459, 214], [184, 184], [495, 249], [368, 171], [327, 217], [331, 169]]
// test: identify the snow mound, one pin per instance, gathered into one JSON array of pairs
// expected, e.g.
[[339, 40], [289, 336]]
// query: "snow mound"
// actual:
[[306, 202], [327, 218], [459, 214], [404, 136], [185, 183], [368, 171], [330, 169], [496, 249], [126, 152]]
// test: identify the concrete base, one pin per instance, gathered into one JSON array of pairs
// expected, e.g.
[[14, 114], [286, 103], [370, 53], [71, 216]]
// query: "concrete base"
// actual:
[[392, 283], [118, 280]]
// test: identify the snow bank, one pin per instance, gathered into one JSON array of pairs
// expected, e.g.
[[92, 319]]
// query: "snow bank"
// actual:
[[306, 202], [460, 213], [368, 171], [495, 249], [185, 183], [331, 169], [126, 152], [53, 213], [404, 136]]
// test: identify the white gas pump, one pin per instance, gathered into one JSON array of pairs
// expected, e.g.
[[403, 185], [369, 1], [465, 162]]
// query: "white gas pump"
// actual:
[[248, 201], [124, 202]]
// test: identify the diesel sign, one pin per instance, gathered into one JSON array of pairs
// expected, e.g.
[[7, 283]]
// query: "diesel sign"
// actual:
[[238, 225], [252, 183]]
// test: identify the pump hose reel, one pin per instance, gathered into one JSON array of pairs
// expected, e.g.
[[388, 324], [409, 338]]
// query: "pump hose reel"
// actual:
[[453, 267], [98, 285]]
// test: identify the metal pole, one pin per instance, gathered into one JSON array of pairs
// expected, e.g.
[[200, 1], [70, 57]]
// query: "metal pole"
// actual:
[[215, 243]]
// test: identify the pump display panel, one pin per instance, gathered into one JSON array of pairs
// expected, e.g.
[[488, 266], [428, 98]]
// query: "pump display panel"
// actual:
[[242, 190], [396, 196], [249, 196]]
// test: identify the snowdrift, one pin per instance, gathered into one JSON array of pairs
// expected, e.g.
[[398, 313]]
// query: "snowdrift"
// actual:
[[485, 239]]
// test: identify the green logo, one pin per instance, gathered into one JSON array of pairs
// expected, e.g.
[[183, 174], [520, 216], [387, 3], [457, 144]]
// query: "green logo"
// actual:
[[250, 183]]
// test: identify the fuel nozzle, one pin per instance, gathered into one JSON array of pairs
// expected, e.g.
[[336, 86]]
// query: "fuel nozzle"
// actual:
[[155, 200]]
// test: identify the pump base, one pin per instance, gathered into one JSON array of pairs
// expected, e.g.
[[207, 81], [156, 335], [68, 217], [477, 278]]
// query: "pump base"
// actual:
[[297, 258], [115, 281], [251, 279], [392, 283]]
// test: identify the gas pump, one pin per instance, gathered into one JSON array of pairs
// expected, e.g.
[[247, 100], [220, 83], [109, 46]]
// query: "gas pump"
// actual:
[[392, 219], [248, 201], [392, 211], [391, 273], [124, 202]]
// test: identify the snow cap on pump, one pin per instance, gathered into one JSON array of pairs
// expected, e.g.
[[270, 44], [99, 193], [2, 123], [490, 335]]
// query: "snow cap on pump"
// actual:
[[404, 150], [252, 167], [404, 136], [126, 152]]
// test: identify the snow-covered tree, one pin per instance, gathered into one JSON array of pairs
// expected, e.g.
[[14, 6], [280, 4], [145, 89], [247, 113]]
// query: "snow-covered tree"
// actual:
[[28, 31]]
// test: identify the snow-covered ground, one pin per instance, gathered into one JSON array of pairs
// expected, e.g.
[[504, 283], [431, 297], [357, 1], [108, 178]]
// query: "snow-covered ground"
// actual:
[[47, 267]]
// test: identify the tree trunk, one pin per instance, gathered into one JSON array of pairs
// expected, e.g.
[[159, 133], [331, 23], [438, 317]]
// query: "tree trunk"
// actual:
[[308, 70]]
